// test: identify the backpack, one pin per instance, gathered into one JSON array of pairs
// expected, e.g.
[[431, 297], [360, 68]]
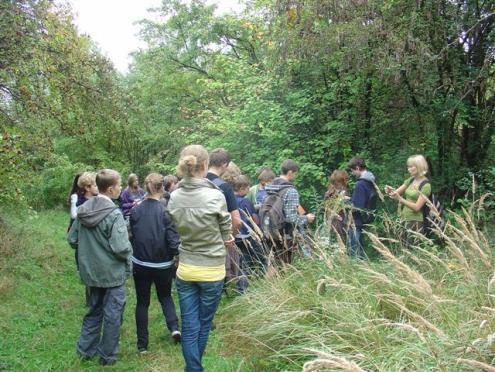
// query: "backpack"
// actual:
[[368, 215], [432, 216], [271, 212]]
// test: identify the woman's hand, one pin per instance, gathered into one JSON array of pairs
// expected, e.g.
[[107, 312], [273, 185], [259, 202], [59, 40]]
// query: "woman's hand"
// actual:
[[229, 241], [394, 195], [389, 189]]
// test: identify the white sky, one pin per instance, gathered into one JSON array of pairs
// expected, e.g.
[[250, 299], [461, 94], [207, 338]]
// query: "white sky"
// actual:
[[110, 24]]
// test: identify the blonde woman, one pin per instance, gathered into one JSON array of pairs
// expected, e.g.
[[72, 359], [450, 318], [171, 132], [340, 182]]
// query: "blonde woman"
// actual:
[[199, 211], [413, 193]]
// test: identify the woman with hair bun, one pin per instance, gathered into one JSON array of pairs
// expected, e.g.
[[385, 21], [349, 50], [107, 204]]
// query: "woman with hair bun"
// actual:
[[415, 190], [199, 211]]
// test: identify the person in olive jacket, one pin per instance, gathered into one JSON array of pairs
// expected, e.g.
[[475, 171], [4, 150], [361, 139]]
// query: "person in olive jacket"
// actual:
[[104, 251], [199, 212]]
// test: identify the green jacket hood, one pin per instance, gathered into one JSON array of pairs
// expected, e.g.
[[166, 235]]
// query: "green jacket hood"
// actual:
[[95, 210], [196, 183]]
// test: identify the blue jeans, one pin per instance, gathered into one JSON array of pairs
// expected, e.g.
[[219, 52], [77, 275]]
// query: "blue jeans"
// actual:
[[198, 303], [355, 242]]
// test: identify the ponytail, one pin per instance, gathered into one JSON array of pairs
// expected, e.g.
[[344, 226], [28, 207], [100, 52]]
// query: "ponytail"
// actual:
[[192, 160]]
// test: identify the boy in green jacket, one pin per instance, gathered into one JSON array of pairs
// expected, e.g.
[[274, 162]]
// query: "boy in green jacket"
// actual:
[[100, 235]]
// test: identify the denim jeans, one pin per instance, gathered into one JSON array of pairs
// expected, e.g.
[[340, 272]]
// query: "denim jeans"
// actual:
[[355, 242], [106, 311], [144, 277], [198, 303]]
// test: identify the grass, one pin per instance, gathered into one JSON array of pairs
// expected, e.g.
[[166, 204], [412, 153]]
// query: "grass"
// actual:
[[43, 305], [428, 308]]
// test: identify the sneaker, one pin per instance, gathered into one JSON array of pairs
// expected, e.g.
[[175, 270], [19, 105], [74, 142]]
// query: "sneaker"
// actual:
[[176, 336], [142, 351]]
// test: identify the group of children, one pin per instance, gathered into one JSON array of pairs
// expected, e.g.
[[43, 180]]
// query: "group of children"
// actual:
[[196, 231]]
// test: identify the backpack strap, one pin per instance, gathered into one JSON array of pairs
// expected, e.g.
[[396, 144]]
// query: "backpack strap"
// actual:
[[423, 183]]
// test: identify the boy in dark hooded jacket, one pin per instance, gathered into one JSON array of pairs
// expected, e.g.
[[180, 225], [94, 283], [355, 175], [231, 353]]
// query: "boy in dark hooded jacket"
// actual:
[[100, 235], [361, 200]]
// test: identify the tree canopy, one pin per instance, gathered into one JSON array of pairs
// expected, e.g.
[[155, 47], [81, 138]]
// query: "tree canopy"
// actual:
[[317, 81]]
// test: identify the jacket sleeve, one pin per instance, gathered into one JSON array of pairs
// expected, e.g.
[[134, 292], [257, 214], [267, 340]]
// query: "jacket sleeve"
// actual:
[[224, 219], [73, 206], [171, 234], [125, 202], [359, 196], [119, 242], [291, 202], [73, 235]]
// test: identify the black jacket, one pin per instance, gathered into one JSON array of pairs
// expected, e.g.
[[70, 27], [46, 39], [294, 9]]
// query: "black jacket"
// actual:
[[154, 237]]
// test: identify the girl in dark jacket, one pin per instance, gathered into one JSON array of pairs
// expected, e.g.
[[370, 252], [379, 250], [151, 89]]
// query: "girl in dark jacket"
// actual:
[[155, 242]]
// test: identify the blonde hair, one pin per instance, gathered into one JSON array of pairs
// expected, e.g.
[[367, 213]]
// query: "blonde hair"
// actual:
[[231, 173], [153, 183], [130, 180], [107, 178], [419, 162], [192, 161], [86, 179]]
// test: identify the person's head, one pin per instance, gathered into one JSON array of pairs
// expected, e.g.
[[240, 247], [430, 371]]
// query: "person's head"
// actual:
[[154, 184], [219, 160], [417, 166], [231, 173], [193, 162], [241, 185], [357, 166], [289, 169], [74, 189], [266, 176], [170, 182], [87, 184], [133, 181], [338, 181], [109, 183]]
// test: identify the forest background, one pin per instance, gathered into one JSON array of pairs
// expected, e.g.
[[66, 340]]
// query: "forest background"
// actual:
[[316, 81]]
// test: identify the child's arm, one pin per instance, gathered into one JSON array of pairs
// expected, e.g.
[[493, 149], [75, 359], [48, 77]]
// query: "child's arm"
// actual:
[[73, 235], [119, 242], [73, 206]]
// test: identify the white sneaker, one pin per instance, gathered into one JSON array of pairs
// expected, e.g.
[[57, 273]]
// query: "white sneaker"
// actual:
[[176, 336]]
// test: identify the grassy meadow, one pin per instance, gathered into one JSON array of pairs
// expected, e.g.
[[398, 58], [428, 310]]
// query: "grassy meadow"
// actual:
[[43, 305], [428, 308]]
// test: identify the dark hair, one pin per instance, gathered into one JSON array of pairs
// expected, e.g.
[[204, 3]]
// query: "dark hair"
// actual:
[[289, 165], [219, 157], [241, 182], [107, 178], [266, 175], [168, 181], [74, 189], [357, 162]]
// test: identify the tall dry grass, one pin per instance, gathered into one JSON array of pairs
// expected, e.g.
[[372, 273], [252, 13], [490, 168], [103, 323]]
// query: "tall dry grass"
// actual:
[[423, 308]]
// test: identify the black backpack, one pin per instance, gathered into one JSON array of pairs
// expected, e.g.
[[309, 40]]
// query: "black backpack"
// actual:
[[432, 216], [271, 212]]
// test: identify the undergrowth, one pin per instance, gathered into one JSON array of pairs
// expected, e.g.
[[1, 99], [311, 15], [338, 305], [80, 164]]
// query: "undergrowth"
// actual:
[[427, 308]]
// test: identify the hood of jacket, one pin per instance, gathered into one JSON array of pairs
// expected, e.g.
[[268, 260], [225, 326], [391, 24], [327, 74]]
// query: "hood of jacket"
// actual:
[[95, 210], [367, 176], [196, 183], [277, 185]]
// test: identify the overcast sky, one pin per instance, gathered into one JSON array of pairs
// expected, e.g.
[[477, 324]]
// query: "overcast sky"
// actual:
[[110, 24]]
